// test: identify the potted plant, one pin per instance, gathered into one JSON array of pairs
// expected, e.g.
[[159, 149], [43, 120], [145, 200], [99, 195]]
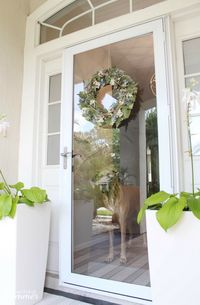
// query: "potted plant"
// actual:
[[173, 230], [24, 235]]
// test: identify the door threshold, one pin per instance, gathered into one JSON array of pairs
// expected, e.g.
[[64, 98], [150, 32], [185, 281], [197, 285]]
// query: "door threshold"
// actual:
[[81, 298], [54, 286]]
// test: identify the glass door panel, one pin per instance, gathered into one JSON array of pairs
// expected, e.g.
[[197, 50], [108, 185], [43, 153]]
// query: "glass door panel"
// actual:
[[114, 169]]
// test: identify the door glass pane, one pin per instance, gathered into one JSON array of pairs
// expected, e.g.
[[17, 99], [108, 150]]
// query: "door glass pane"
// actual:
[[53, 150], [55, 88], [54, 118], [115, 169], [191, 55]]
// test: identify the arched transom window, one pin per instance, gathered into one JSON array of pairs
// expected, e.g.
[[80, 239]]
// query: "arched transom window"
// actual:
[[80, 14]]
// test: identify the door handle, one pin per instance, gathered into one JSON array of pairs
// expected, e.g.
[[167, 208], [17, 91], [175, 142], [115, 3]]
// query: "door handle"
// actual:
[[65, 154]]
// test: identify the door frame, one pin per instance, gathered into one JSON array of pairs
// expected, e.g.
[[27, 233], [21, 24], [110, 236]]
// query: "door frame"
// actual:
[[165, 150]]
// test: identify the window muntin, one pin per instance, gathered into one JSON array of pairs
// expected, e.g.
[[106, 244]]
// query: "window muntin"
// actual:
[[81, 14]]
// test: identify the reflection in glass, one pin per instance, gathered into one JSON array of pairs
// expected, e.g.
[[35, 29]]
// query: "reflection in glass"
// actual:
[[191, 55], [195, 134], [152, 151], [78, 24], [112, 10], [116, 168], [193, 82], [140, 4]]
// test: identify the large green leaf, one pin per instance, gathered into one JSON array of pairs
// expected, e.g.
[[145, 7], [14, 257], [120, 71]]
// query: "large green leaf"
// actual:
[[141, 214], [157, 198], [35, 194], [18, 186], [26, 201], [14, 207], [194, 205], [185, 194], [5, 205], [171, 212]]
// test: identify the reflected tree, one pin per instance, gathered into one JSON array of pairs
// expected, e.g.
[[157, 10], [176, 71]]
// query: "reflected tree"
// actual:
[[152, 152], [99, 154]]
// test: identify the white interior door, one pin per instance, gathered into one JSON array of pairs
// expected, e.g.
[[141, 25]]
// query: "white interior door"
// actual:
[[86, 234]]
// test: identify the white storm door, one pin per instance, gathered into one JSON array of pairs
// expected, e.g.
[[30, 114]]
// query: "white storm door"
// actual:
[[84, 243]]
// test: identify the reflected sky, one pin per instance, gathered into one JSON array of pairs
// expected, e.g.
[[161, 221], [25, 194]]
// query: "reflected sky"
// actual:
[[80, 123]]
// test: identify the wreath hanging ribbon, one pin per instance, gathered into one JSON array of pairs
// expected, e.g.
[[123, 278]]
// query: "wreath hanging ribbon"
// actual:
[[124, 91]]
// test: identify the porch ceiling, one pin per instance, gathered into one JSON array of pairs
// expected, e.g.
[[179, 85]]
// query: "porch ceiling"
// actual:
[[135, 56]]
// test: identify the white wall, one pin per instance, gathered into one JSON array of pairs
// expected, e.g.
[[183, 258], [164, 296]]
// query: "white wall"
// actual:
[[35, 4], [12, 35]]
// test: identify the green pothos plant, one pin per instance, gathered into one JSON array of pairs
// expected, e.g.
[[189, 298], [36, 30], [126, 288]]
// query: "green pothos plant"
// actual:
[[12, 195], [170, 207]]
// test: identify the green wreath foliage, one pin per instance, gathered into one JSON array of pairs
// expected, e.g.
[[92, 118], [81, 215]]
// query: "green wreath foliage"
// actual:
[[124, 90]]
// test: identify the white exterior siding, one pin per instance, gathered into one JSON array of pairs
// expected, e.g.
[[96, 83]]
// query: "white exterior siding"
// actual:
[[12, 37]]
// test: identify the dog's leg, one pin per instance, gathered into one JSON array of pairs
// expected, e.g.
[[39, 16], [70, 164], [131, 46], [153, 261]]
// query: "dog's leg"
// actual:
[[131, 231], [123, 258], [110, 256]]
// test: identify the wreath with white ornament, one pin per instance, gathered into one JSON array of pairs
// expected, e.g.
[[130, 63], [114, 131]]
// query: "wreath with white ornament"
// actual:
[[124, 91]]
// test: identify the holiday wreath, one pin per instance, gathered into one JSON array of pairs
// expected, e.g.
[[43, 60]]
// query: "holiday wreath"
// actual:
[[124, 91]]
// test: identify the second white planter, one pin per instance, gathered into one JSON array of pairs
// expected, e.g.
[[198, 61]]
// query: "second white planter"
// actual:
[[174, 260], [23, 255]]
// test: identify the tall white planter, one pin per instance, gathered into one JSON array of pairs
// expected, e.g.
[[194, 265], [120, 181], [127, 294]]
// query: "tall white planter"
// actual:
[[23, 255], [174, 260]]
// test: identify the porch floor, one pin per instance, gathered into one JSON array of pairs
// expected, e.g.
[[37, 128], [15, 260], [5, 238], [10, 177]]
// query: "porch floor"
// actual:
[[92, 260], [51, 299]]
